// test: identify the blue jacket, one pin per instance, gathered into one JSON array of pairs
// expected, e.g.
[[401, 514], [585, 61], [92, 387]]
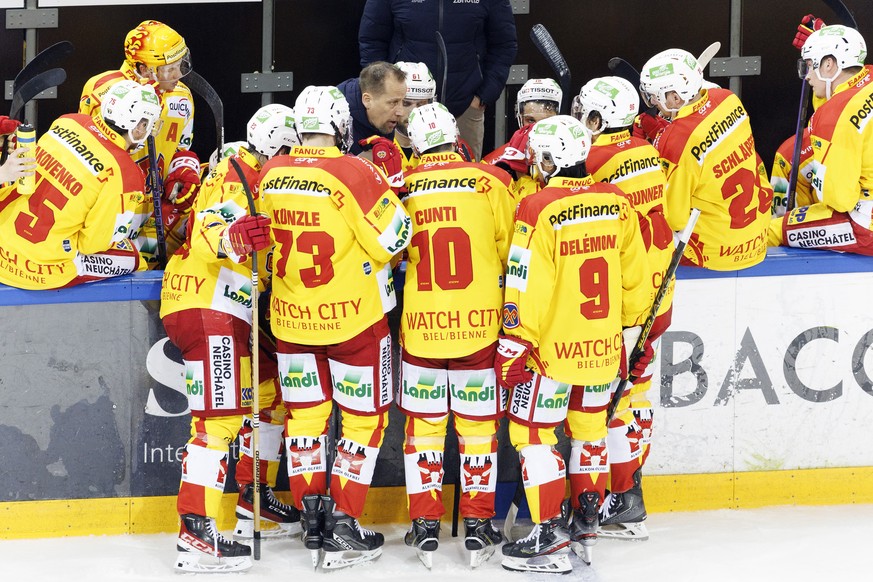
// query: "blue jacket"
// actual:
[[479, 35], [361, 126]]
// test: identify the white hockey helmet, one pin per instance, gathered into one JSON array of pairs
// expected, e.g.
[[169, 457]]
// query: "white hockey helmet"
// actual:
[[271, 128], [420, 85], [844, 44], [324, 110], [561, 140], [430, 126], [127, 103], [544, 90], [671, 70], [227, 150], [613, 98]]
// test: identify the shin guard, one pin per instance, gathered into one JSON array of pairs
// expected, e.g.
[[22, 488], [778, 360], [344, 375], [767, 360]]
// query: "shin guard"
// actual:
[[543, 472], [589, 469]]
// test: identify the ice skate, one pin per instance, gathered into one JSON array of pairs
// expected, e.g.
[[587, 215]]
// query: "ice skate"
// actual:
[[346, 543], [424, 535], [278, 520], [623, 514], [312, 520], [583, 528], [543, 550], [203, 549], [482, 538]]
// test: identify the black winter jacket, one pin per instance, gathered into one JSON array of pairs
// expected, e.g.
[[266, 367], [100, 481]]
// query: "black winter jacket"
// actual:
[[479, 35]]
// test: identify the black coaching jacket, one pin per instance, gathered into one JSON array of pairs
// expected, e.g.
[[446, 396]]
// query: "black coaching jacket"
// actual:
[[480, 42]]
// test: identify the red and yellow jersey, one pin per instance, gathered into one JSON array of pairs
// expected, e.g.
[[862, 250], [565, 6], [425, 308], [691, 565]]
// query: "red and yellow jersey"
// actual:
[[632, 164], [200, 275], [462, 225], [89, 197], [708, 154], [577, 274], [176, 133], [336, 225], [804, 195], [842, 145]]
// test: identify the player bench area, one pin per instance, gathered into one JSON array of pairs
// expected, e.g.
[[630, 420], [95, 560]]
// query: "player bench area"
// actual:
[[763, 396]]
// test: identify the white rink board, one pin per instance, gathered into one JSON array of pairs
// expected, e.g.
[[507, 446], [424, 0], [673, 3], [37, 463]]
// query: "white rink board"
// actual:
[[745, 410]]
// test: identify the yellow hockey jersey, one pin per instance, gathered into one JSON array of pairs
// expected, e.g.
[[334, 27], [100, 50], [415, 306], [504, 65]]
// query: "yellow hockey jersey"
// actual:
[[176, 133], [89, 197], [632, 164], [577, 274], [461, 229], [336, 225], [708, 154], [200, 275]]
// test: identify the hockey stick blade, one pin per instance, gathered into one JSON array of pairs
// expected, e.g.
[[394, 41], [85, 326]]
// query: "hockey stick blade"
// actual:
[[33, 87], [201, 87], [629, 73], [844, 15], [547, 47], [43, 61], [708, 53]]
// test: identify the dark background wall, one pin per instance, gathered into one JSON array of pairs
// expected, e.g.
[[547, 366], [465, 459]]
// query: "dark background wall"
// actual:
[[317, 40]]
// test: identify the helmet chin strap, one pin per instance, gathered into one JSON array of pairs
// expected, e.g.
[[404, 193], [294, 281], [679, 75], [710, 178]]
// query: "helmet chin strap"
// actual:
[[828, 82]]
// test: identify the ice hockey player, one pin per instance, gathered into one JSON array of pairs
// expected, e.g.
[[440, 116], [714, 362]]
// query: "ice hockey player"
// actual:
[[537, 99], [206, 300], [76, 227], [709, 157], [156, 54], [608, 107], [577, 276], [336, 225], [463, 224], [840, 219]]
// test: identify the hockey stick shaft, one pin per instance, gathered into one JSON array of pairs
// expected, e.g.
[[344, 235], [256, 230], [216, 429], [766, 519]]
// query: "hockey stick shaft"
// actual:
[[640, 346], [549, 49], [157, 188], [41, 62], [256, 392], [791, 192], [844, 15], [202, 87]]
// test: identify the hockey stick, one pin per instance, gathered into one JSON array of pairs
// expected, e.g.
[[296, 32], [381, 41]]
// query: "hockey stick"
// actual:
[[202, 87], [156, 185], [844, 15], [256, 393], [547, 47], [42, 62], [639, 347], [33, 87], [443, 56], [791, 192]]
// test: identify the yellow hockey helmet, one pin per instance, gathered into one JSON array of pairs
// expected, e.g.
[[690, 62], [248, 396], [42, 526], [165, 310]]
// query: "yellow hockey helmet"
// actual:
[[154, 44]]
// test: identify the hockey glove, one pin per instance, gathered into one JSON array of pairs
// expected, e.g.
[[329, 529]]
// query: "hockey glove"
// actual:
[[248, 233], [388, 157], [808, 25], [8, 125], [510, 362], [514, 156], [183, 178], [649, 127], [638, 367]]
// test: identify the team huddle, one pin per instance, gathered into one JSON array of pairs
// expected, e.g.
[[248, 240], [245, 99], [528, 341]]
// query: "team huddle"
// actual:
[[529, 278]]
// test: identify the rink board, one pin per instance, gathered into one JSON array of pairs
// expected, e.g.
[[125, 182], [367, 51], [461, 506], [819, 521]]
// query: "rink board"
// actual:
[[763, 393]]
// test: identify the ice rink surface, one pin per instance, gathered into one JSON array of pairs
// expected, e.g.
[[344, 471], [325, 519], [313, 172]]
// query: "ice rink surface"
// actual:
[[797, 544]]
